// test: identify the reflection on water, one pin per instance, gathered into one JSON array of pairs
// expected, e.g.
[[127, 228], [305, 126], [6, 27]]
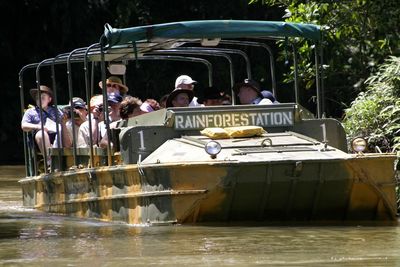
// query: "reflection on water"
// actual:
[[31, 237]]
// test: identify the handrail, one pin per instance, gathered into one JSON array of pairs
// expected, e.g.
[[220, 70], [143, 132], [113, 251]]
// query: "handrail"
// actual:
[[256, 44], [180, 58], [25, 135], [317, 77], [38, 83], [224, 50], [200, 52], [102, 42], [70, 91], [89, 94]]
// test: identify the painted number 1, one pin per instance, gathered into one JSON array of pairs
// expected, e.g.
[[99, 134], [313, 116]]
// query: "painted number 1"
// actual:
[[142, 147]]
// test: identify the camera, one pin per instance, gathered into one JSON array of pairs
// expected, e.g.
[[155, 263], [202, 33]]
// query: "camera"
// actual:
[[67, 112]]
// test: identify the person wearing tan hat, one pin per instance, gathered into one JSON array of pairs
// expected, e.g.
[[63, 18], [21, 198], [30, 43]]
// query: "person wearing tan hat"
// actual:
[[179, 98], [114, 84], [31, 121], [249, 92]]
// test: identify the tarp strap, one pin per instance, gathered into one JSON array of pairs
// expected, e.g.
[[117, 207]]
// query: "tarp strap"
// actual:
[[135, 50]]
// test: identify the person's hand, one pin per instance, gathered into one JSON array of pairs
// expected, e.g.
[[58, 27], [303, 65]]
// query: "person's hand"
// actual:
[[81, 114], [39, 128], [98, 112], [64, 119]]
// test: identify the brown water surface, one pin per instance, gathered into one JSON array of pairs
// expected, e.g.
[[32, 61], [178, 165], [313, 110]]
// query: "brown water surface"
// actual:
[[29, 237]]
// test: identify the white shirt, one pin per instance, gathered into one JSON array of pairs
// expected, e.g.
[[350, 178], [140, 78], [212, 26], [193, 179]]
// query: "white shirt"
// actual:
[[262, 101], [194, 103]]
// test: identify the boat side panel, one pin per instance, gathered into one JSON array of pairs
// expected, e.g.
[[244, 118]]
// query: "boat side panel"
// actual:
[[340, 190]]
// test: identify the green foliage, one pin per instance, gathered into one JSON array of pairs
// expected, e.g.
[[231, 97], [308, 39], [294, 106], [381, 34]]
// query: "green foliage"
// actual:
[[358, 36], [375, 113]]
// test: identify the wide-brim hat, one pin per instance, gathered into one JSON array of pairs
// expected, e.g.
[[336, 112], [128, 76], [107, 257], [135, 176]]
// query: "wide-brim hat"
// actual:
[[248, 83], [116, 80], [210, 93], [176, 92], [43, 89]]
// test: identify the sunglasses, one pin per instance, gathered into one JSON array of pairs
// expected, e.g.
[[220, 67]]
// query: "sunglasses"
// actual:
[[112, 85]]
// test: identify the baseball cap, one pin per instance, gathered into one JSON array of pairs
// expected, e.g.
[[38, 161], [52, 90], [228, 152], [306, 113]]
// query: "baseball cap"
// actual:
[[184, 79]]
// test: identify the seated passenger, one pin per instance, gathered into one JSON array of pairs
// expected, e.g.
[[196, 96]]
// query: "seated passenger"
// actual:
[[79, 117], [179, 98], [163, 101], [211, 97], [226, 100], [97, 116], [115, 85], [31, 121], [150, 105], [130, 107], [249, 92], [186, 82], [114, 102], [270, 96]]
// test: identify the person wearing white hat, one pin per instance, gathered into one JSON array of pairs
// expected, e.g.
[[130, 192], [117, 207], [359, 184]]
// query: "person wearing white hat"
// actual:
[[186, 82]]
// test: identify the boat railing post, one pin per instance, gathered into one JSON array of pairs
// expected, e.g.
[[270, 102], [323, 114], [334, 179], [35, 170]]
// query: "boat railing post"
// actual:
[[70, 92], [295, 74], [317, 77], [41, 113], [322, 79], [89, 93], [27, 156], [105, 102], [54, 86]]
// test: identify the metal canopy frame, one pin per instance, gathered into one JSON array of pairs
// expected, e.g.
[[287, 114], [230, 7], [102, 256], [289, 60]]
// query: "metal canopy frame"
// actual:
[[143, 49]]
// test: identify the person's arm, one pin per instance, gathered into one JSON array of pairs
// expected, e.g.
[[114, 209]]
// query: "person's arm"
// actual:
[[104, 141], [66, 139], [27, 127], [97, 117]]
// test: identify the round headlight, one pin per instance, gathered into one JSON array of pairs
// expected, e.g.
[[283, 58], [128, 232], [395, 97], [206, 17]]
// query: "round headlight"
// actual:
[[213, 148], [358, 144]]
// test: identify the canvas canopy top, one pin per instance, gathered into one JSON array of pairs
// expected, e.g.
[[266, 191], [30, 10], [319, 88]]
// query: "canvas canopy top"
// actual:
[[211, 29]]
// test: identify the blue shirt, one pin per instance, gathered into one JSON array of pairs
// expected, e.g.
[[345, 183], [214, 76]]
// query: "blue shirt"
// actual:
[[32, 115]]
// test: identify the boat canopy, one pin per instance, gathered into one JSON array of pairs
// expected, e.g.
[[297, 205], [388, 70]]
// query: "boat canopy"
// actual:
[[211, 29]]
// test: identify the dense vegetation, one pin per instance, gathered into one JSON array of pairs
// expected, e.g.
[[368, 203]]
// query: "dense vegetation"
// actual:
[[375, 113], [361, 41]]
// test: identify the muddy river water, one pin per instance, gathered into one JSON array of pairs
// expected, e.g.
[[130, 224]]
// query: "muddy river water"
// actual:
[[29, 237]]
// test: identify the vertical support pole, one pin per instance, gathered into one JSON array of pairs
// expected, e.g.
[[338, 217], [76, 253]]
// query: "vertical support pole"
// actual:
[[89, 93], [296, 75], [54, 86], [105, 102], [317, 77], [41, 113]]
